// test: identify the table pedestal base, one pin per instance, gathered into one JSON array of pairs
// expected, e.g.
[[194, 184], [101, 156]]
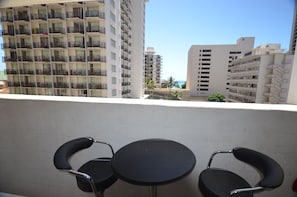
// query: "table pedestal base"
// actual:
[[154, 191]]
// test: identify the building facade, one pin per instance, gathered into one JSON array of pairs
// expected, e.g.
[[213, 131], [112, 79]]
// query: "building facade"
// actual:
[[208, 66], [294, 31], [153, 66], [92, 48], [260, 76]]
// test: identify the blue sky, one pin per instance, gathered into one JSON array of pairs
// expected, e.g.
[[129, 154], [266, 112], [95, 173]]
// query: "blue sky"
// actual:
[[173, 26]]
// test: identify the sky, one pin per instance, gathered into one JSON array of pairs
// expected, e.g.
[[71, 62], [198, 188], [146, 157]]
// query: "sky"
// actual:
[[172, 27]]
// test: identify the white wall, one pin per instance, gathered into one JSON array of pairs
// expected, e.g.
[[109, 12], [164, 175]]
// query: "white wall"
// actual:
[[33, 127]]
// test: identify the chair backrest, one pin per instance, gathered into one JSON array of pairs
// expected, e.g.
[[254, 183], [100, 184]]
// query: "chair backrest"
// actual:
[[65, 151], [272, 173]]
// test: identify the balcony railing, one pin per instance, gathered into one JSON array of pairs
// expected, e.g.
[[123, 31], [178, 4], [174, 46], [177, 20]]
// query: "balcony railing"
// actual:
[[57, 30], [8, 46], [38, 17], [60, 72], [97, 86], [23, 31], [76, 44], [43, 72], [56, 15], [12, 71], [7, 32], [42, 59], [75, 30], [23, 17], [95, 13], [74, 15], [97, 58], [10, 59], [14, 84], [95, 29], [61, 85], [27, 84], [44, 84], [40, 45], [97, 72], [6, 19], [39, 31], [24, 45], [78, 85], [58, 44], [26, 71], [59, 59], [51, 121], [77, 59], [78, 72], [96, 44], [25, 58]]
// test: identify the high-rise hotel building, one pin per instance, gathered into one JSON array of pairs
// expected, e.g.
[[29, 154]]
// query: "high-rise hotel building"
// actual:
[[153, 66], [294, 31], [208, 66], [262, 75], [92, 48]]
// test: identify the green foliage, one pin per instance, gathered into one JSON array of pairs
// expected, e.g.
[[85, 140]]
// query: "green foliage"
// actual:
[[149, 83], [183, 86], [216, 97]]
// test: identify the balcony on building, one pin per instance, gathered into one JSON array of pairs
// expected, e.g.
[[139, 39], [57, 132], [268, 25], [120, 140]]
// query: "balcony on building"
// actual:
[[96, 44], [97, 58], [76, 44], [95, 29], [95, 13]]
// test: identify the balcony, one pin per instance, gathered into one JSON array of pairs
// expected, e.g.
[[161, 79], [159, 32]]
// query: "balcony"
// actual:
[[78, 85], [61, 85], [76, 44], [23, 32], [60, 72], [59, 59], [74, 15], [57, 30], [58, 45], [97, 44], [24, 45], [44, 84], [77, 58], [75, 30], [40, 45], [21, 17], [42, 58], [96, 29], [43, 72], [38, 17], [56, 15], [95, 13], [25, 58], [29, 139], [6, 19], [97, 58], [7, 32], [97, 72], [78, 72], [101, 86]]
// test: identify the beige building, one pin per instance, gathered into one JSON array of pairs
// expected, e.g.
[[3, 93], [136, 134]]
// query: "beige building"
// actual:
[[153, 66], [92, 48], [208, 66], [260, 76]]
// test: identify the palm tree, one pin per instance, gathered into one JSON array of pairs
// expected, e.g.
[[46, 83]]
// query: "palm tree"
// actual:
[[149, 84], [172, 83]]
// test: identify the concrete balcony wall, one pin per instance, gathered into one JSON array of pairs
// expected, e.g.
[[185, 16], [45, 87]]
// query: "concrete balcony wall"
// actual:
[[33, 127]]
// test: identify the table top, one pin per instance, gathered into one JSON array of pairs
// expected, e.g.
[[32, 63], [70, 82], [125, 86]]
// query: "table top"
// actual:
[[153, 162]]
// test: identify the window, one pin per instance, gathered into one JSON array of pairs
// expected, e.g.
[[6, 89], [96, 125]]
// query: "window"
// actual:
[[112, 16], [112, 29], [113, 56], [114, 80], [114, 68], [114, 92], [113, 42]]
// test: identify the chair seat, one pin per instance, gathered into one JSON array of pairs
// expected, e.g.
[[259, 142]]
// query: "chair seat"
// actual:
[[214, 182], [101, 173]]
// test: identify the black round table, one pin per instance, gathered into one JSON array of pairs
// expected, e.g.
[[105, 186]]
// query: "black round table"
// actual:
[[153, 162]]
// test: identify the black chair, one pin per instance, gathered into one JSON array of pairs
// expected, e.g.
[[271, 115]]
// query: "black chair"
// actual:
[[216, 182], [95, 175]]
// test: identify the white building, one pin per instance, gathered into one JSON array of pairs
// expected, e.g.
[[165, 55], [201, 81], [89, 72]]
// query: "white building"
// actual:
[[91, 48], [261, 76], [153, 66], [208, 66]]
